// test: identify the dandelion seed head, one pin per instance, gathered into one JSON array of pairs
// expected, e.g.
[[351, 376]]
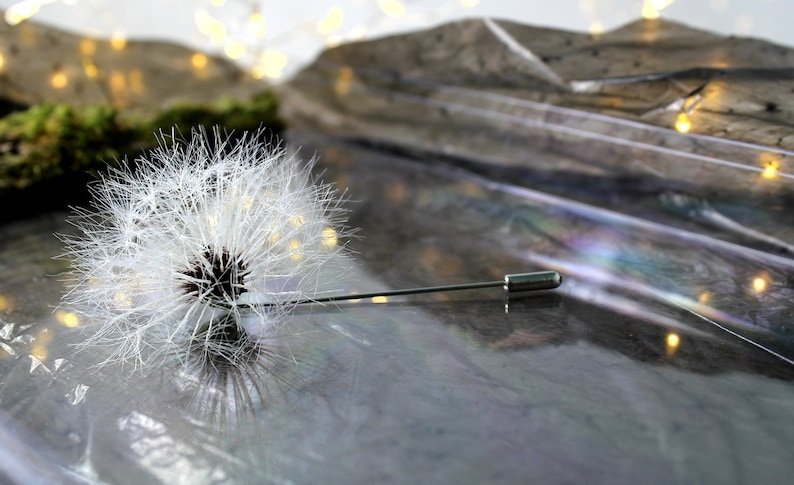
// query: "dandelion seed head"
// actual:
[[177, 247], [216, 276]]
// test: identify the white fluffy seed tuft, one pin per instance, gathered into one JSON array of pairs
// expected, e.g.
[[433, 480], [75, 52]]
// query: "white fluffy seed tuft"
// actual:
[[177, 247]]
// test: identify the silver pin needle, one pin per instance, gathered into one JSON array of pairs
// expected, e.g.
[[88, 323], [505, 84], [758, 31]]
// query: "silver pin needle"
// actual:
[[512, 283]]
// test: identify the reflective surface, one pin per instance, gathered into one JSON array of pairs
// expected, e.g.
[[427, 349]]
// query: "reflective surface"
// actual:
[[667, 355], [615, 376]]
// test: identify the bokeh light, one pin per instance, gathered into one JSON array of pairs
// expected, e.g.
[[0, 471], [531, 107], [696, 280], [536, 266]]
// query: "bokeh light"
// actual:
[[244, 30], [682, 123]]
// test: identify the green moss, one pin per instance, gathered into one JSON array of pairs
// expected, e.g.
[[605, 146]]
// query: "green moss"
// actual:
[[57, 141], [50, 140], [232, 114]]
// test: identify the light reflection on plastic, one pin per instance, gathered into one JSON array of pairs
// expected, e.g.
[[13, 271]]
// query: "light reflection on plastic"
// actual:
[[672, 342], [682, 123], [39, 350], [770, 170], [759, 284], [163, 455], [77, 394], [5, 302], [380, 299], [704, 297], [67, 319]]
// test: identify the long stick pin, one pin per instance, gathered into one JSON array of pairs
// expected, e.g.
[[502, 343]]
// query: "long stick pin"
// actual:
[[512, 283]]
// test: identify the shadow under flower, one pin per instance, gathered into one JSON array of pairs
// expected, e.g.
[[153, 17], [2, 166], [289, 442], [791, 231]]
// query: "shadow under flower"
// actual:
[[225, 373]]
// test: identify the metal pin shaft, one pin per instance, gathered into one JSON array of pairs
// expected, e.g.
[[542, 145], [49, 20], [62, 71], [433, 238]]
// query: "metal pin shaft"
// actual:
[[512, 283]]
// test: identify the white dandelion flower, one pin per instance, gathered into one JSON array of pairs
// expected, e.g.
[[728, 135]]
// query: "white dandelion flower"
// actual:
[[179, 249]]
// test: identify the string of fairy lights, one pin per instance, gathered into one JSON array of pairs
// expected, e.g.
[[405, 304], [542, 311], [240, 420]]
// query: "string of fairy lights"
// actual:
[[253, 33]]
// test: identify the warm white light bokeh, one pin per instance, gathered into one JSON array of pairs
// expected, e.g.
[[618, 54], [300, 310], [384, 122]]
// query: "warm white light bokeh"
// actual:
[[273, 39]]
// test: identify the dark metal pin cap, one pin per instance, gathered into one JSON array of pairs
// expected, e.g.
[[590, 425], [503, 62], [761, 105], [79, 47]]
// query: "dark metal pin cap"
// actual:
[[541, 280]]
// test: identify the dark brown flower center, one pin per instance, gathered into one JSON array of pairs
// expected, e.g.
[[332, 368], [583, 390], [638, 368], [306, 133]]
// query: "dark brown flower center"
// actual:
[[216, 276]]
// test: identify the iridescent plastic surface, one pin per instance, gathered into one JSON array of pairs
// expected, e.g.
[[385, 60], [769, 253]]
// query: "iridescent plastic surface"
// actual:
[[620, 374], [665, 356]]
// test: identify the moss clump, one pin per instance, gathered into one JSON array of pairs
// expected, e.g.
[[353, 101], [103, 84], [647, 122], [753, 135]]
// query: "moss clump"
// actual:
[[50, 142], [230, 113]]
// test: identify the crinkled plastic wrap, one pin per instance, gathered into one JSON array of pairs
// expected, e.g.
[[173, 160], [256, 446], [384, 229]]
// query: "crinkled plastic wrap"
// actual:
[[665, 356], [694, 221]]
